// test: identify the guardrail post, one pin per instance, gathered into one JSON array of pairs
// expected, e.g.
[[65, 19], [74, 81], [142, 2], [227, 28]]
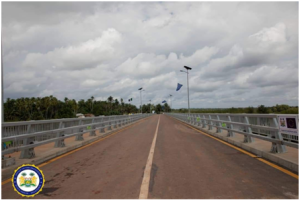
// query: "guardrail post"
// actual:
[[93, 132], [276, 147], [198, 120], [204, 122], [189, 118], [115, 123], [80, 136], [102, 130], [109, 124], [247, 138], [2, 144], [230, 133], [209, 123], [219, 127], [60, 143], [28, 153], [129, 120], [194, 119]]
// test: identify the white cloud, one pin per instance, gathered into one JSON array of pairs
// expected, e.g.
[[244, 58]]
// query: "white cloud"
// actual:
[[241, 53], [269, 36], [85, 55]]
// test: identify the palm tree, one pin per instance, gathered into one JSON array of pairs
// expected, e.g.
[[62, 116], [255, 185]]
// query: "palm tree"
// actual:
[[47, 104], [39, 106], [92, 99], [110, 100], [9, 109], [122, 105], [117, 104], [74, 106], [66, 99], [81, 106], [54, 104]]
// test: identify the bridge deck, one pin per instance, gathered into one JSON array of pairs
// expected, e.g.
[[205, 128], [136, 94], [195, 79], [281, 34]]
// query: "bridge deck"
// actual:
[[186, 164]]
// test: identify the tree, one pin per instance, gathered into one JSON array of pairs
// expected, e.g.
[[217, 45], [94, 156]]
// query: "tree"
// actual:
[[110, 100], [145, 108], [281, 108], [122, 105], [250, 110], [74, 106], [92, 100], [81, 106], [66, 99], [262, 109], [46, 104], [158, 108], [167, 107]]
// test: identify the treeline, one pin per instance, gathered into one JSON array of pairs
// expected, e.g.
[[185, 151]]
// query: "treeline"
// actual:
[[278, 109], [24, 109], [50, 107], [157, 108]]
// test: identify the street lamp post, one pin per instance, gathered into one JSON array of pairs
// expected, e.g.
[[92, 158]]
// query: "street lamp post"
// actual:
[[2, 108], [2, 91], [141, 99], [187, 75], [171, 102]]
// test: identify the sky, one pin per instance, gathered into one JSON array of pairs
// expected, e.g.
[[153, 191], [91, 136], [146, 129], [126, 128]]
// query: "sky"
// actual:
[[241, 53]]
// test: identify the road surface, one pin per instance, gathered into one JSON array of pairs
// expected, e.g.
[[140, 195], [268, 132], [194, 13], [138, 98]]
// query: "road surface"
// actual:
[[186, 164]]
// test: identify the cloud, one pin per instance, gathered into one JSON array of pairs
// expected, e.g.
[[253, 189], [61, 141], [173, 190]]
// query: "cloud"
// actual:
[[85, 55], [274, 76], [270, 36], [241, 53]]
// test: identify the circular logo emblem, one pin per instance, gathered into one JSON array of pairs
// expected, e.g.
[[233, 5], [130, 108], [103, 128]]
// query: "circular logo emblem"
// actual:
[[28, 180]]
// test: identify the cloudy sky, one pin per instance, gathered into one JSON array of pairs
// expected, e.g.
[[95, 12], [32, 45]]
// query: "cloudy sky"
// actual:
[[242, 54]]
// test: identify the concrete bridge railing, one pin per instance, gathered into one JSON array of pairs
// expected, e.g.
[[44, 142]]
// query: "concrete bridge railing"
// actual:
[[262, 126], [25, 136]]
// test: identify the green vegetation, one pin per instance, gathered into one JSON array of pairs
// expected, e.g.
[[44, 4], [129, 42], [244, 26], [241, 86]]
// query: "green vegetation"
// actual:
[[25, 109], [50, 107], [278, 109], [157, 108]]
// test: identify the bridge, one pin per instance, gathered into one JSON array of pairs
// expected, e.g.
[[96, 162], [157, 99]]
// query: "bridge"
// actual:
[[154, 156]]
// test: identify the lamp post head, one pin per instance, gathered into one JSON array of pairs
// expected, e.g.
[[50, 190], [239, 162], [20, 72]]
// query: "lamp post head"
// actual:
[[188, 68], [141, 88]]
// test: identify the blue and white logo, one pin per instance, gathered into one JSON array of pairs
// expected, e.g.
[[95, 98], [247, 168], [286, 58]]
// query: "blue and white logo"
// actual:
[[28, 180]]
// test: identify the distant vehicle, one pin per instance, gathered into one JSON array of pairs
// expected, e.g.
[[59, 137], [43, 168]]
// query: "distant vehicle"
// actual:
[[80, 115], [89, 115]]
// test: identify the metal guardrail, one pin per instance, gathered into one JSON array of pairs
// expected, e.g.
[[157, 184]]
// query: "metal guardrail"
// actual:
[[24, 136], [262, 126]]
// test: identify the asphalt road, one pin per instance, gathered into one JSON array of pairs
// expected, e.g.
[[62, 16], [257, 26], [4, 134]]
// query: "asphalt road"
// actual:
[[186, 164]]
